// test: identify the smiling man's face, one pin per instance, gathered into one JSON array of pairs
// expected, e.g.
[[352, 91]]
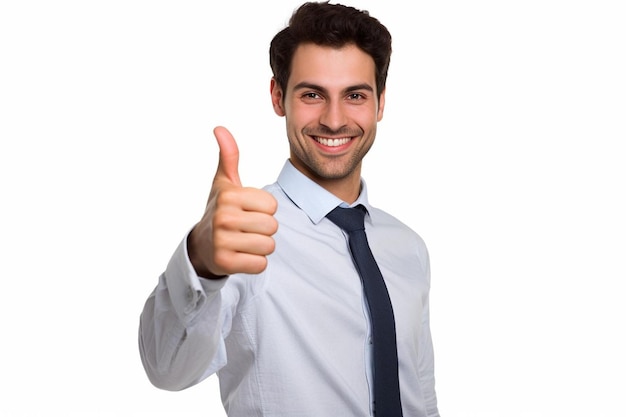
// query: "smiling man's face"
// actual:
[[332, 109]]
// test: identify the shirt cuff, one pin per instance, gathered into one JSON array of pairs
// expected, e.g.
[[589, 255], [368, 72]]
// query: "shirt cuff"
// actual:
[[188, 291]]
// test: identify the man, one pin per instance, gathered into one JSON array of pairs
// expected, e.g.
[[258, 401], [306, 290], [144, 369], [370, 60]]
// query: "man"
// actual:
[[264, 290]]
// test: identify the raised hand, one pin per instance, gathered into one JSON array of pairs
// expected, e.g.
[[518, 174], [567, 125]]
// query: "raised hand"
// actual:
[[235, 232]]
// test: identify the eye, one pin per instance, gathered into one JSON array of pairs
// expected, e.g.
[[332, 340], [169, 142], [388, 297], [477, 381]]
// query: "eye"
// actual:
[[311, 97], [355, 96]]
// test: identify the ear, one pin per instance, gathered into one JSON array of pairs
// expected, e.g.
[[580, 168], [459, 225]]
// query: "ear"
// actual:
[[277, 97], [381, 106]]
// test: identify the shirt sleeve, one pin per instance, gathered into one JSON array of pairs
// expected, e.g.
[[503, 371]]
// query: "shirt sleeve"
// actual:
[[427, 357], [180, 329]]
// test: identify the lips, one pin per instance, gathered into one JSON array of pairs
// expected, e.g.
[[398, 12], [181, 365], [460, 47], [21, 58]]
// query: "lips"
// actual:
[[332, 142]]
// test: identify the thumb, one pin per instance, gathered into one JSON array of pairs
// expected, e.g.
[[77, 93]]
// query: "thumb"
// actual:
[[228, 166]]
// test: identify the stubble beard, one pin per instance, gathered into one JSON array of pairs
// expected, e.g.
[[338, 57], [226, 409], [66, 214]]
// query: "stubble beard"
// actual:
[[331, 168], [328, 168]]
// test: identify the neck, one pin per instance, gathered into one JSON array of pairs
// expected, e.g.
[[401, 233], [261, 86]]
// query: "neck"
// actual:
[[347, 188]]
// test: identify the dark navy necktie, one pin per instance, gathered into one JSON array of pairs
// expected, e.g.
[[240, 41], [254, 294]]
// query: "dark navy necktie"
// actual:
[[386, 384]]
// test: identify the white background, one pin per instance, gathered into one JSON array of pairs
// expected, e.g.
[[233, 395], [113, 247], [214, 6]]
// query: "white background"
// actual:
[[502, 145]]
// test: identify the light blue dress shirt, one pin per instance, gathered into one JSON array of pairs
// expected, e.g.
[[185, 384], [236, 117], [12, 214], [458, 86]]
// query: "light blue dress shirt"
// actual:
[[294, 340]]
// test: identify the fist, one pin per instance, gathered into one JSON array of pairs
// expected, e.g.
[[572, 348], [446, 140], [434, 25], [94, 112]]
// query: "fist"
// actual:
[[235, 232]]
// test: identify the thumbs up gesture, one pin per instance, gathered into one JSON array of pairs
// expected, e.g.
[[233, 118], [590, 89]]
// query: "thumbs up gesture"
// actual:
[[235, 232]]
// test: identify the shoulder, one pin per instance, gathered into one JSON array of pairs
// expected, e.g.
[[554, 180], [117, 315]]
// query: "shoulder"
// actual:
[[387, 228], [383, 219]]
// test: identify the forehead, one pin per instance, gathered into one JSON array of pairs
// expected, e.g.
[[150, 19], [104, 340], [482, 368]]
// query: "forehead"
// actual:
[[331, 67]]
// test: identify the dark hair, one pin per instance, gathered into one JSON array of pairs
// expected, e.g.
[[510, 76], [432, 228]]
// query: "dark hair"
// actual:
[[333, 25]]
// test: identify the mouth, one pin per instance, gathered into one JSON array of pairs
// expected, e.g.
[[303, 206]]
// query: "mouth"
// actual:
[[332, 142]]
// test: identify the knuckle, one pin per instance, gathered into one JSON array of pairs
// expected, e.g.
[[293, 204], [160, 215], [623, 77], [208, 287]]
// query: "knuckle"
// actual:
[[227, 196], [274, 205], [224, 219], [222, 259], [271, 246], [267, 245], [259, 265], [273, 226]]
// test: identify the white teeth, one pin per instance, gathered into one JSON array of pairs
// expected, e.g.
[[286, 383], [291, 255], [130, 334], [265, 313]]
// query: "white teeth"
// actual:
[[332, 142]]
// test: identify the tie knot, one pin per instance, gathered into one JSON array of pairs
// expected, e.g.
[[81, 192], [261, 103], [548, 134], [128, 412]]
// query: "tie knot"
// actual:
[[349, 219]]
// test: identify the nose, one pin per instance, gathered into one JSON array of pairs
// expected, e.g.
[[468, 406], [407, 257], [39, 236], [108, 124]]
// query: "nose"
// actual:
[[333, 116]]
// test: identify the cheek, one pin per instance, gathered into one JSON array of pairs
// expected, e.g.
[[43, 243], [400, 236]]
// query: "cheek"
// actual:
[[367, 119], [302, 115]]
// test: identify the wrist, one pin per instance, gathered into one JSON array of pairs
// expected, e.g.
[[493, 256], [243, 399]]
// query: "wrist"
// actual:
[[197, 260]]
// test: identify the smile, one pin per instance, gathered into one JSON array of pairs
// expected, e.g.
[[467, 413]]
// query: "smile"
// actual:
[[332, 142]]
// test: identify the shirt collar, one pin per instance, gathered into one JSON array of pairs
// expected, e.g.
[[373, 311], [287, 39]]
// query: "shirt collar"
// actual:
[[314, 200]]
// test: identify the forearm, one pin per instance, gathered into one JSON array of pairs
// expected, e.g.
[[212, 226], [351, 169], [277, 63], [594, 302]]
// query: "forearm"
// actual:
[[180, 338]]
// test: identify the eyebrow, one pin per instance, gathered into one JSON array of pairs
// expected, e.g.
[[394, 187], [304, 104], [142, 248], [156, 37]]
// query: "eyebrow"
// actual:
[[311, 86]]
